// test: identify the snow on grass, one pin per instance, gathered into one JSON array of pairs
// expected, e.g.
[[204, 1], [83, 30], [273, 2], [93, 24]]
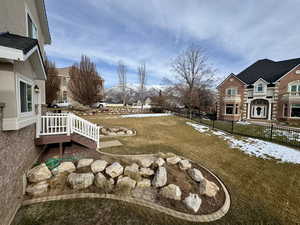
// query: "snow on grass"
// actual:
[[255, 147], [146, 115]]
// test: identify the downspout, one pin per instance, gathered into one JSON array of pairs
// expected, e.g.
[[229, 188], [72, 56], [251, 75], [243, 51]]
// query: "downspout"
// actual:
[[2, 105]]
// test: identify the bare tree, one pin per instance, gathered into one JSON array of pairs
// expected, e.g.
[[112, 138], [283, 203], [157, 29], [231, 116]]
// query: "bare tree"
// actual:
[[52, 83], [192, 70], [85, 83], [122, 70], [142, 76]]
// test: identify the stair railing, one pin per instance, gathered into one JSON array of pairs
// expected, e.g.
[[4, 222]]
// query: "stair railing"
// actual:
[[67, 124]]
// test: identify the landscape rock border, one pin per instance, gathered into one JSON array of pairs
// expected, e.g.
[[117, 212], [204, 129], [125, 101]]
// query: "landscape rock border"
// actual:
[[118, 135], [189, 217]]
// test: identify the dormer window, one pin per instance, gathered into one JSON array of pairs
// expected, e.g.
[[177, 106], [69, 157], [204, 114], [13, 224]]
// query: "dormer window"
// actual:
[[260, 88], [32, 28], [231, 91]]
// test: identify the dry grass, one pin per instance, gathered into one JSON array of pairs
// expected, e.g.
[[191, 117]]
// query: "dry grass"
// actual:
[[263, 191]]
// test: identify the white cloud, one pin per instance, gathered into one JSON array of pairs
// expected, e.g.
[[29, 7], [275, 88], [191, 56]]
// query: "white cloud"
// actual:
[[235, 33]]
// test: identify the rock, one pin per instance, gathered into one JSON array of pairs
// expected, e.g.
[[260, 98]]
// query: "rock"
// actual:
[[114, 170], [195, 174], [193, 202], [84, 163], [38, 188], [98, 166], [68, 167], [144, 183], [208, 188], [100, 180], [131, 170], [80, 180], [146, 172], [145, 162], [173, 160], [121, 133], [126, 181], [39, 173], [185, 164], [171, 191], [159, 162], [160, 178], [129, 132]]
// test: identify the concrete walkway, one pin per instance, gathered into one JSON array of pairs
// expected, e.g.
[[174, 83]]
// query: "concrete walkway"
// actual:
[[109, 144]]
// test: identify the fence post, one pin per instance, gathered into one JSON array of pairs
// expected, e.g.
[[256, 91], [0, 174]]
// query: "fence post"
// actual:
[[213, 124], [271, 134], [232, 123]]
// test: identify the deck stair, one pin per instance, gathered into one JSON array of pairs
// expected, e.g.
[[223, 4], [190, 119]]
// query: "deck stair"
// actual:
[[67, 127]]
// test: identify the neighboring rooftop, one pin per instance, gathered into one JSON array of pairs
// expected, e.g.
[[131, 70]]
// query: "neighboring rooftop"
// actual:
[[63, 71], [24, 44], [268, 70]]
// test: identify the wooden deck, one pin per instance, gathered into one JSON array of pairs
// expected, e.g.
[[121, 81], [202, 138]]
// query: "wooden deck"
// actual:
[[51, 139]]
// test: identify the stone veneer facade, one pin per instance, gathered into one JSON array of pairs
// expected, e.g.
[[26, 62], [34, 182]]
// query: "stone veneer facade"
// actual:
[[17, 154], [276, 97]]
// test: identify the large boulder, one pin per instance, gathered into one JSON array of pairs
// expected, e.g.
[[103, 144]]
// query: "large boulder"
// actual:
[[146, 172], [196, 174], [68, 167], [171, 191], [173, 160], [185, 164], [80, 180], [144, 183], [114, 170], [129, 132], [39, 173], [208, 188], [193, 202], [98, 166], [126, 181], [37, 188], [159, 162], [84, 163], [145, 162], [131, 170], [103, 183], [160, 178]]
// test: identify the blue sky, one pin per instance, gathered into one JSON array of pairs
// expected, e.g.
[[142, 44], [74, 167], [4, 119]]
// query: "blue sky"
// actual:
[[233, 33]]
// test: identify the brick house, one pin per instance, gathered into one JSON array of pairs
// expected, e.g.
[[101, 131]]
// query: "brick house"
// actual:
[[266, 90], [24, 32]]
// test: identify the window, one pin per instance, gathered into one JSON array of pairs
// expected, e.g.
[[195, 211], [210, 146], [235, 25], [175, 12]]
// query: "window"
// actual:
[[295, 110], [65, 96], [260, 88], [229, 108], [237, 109], [231, 91], [285, 110], [32, 29], [25, 97]]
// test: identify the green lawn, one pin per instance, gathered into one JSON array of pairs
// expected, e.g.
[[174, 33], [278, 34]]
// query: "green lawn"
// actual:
[[263, 192]]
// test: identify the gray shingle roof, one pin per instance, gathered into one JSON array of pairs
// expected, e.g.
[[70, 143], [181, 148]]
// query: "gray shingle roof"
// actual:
[[268, 70]]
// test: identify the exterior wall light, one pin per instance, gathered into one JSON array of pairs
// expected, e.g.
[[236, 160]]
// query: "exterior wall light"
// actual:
[[36, 89]]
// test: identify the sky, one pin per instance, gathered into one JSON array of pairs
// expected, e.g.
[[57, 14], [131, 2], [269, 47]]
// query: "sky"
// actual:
[[232, 33]]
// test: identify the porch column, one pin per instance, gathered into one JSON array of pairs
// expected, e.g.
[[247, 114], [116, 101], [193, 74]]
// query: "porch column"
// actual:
[[269, 111], [248, 110]]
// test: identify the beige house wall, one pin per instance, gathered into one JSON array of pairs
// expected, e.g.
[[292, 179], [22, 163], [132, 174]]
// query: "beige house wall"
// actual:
[[13, 17]]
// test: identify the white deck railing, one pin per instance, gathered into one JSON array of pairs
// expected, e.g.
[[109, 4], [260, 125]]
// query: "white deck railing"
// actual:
[[67, 123]]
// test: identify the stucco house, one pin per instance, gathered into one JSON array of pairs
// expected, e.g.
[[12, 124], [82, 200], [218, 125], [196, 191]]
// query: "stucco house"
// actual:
[[266, 90], [24, 32], [64, 91]]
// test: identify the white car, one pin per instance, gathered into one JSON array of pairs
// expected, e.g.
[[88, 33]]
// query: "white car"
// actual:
[[99, 105], [62, 104]]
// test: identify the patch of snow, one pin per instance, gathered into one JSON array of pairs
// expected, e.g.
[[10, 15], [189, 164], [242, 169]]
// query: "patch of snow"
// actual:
[[255, 147], [243, 123], [146, 115]]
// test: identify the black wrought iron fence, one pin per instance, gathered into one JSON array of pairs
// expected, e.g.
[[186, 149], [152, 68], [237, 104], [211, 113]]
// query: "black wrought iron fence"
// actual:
[[270, 132]]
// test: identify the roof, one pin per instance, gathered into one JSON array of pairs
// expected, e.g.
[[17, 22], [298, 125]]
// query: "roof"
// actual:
[[64, 71], [268, 70], [24, 44]]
